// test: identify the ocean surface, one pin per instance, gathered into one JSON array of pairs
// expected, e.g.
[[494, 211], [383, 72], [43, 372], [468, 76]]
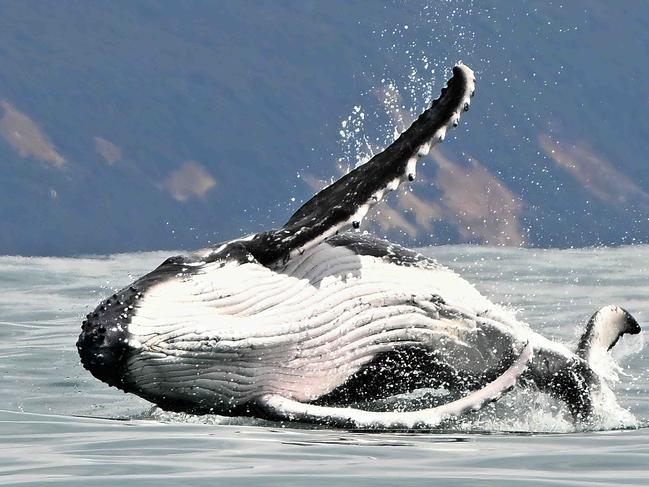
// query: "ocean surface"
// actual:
[[60, 426]]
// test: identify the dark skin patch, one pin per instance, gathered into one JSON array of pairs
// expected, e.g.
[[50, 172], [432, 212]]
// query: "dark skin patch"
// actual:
[[404, 370], [366, 244]]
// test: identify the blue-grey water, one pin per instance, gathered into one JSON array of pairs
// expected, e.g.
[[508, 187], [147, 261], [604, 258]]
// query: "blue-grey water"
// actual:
[[60, 426]]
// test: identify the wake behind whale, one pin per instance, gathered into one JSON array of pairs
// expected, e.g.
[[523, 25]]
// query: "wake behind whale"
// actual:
[[306, 321]]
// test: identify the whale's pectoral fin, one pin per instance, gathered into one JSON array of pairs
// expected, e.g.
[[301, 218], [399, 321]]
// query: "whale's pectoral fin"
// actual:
[[281, 408], [344, 203]]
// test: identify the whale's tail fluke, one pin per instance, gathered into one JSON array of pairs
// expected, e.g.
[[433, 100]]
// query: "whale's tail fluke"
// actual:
[[604, 329], [574, 378]]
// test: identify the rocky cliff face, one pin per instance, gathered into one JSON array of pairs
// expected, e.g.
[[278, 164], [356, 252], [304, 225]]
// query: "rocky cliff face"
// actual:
[[166, 125]]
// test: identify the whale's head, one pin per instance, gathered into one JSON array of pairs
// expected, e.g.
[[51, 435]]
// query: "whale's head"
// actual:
[[164, 338], [106, 343]]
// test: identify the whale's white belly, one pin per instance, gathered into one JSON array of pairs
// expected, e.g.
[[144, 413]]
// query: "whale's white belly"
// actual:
[[299, 330]]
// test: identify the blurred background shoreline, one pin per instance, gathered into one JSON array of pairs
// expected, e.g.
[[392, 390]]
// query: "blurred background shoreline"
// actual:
[[134, 126]]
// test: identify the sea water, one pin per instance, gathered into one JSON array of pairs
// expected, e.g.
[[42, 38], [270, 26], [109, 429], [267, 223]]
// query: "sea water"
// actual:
[[60, 426]]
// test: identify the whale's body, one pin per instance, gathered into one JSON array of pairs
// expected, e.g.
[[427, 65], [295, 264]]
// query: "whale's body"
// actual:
[[303, 329], [295, 322]]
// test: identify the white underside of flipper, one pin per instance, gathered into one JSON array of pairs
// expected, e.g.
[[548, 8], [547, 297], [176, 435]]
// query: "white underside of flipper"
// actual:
[[288, 409]]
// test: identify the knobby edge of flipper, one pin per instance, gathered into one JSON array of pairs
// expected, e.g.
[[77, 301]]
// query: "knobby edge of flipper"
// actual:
[[344, 203], [280, 408]]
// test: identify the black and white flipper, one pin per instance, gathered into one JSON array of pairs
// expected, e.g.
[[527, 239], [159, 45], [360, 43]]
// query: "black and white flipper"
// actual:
[[344, 203], [281, 408]]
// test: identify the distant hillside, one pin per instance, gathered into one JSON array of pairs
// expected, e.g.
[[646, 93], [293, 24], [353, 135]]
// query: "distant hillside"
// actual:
[[144, 125]]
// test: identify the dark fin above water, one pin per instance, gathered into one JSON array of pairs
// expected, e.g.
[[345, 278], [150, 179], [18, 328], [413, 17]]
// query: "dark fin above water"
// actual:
[[343, 204], [604, 329], [366, 244]]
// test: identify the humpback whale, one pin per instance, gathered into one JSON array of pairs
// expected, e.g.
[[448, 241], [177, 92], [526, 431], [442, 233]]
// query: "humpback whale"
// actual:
[[312, 320]]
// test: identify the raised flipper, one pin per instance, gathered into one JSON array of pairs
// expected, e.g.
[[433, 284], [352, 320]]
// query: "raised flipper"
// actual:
[[344, 203], [278, 407]]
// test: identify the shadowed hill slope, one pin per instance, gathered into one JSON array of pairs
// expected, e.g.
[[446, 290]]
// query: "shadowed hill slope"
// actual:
[[133, 126]]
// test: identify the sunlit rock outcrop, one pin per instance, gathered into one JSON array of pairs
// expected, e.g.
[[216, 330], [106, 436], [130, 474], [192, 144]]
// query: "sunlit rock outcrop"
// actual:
[[109, 151], [25, 137], [596, 174], [190, 180]]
